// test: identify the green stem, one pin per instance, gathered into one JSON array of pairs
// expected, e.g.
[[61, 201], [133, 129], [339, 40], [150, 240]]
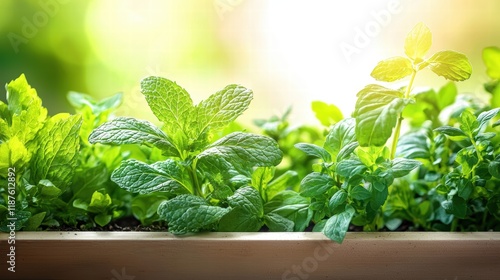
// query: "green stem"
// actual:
[[194, 179], [400, 119]]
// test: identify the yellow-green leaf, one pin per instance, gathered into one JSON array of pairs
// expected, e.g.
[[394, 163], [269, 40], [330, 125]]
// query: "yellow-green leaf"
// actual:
[[491, 58], [327, 114], [392, 69], [451, 64], [13, 154], [418, 42]]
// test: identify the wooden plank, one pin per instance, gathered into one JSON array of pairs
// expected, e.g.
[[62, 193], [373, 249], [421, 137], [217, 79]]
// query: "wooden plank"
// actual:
[[154, 255]]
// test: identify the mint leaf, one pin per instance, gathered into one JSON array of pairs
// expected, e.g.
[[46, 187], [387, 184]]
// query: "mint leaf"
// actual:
[[341, 135], [337, 225], [337, 200], [360, 193], [447, 95], [244, 151], [450, 131], [392, 69], [138, 177], [292, 206], [418, 42], [468, 123], [124, 130], [403, 166], [188, 213], [314, 151], [485, 117], [13, 153], [56, 157], [376, 112], [327, 114], [315, 184], [491, 58], [247, 211], [222, 108], [170, 103], [450, 64], [278, 223], [26, 114]]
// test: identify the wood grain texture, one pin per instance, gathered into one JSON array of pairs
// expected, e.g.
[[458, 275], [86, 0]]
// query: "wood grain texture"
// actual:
[[146, 255]]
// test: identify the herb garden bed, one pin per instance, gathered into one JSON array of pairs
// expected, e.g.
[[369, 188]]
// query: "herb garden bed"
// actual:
[[200, 171], [156, 255]]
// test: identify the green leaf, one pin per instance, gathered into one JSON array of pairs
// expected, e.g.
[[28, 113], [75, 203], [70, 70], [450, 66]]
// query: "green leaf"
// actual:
[[278, 223], [291, 206], [124, 130], [25, 109], [450, 131], [337, 225], [342, 134], [13, 153], [360, 193], [414, 145], [99, 202], [315, 184], [284, 181], [47, 189], [451, 65], [80, 100], [376, 112], [402, 166], [327, 114], [485, 117], [314, 151], [170, 103], [57, 156], [103, 219], [219, 172], [447, 95], [467, 158], [418, 42], [468, 123], [245, 151], [34, 222], [246, 213], [261, 176], [222, 108], [138, 177], [337, 200], [188, 213], [392, 69], [494, 169], [350, 167], [491, 58]]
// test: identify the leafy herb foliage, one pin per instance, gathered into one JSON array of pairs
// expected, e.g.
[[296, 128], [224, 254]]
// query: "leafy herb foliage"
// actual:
[[223, 183]]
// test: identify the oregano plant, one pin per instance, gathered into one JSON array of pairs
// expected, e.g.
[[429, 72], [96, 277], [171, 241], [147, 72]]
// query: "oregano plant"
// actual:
[[351, 182], [212, 183]]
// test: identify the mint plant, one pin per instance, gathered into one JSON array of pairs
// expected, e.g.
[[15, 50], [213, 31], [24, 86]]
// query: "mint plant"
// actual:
[[351, 183], [42, 150], [211, 183]]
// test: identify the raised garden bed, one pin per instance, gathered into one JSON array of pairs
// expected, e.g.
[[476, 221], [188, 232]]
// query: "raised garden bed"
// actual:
[[156, 255]]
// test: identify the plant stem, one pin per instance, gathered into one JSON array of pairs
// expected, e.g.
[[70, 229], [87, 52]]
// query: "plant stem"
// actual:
[[194, 179], [400, 119]]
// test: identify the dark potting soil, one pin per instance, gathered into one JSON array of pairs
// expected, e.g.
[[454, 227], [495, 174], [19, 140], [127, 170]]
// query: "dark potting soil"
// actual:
[[132, 224]]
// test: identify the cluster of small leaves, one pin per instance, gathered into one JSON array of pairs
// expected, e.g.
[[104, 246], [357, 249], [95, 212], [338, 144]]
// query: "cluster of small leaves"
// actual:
[[378, 108], [351, 182], [456, 187], [44, 152], [211, 183]]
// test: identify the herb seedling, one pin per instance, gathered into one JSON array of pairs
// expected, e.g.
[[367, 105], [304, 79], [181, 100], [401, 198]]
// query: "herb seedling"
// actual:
[[351, 184], [212, 183]]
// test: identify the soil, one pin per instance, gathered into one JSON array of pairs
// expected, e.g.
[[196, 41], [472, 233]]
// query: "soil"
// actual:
[[132, 224]]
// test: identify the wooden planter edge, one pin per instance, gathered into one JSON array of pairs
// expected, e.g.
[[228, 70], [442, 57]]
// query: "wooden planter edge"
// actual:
[[298, 255]]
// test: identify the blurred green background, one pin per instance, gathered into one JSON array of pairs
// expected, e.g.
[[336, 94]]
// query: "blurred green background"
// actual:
[[289, 52]]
